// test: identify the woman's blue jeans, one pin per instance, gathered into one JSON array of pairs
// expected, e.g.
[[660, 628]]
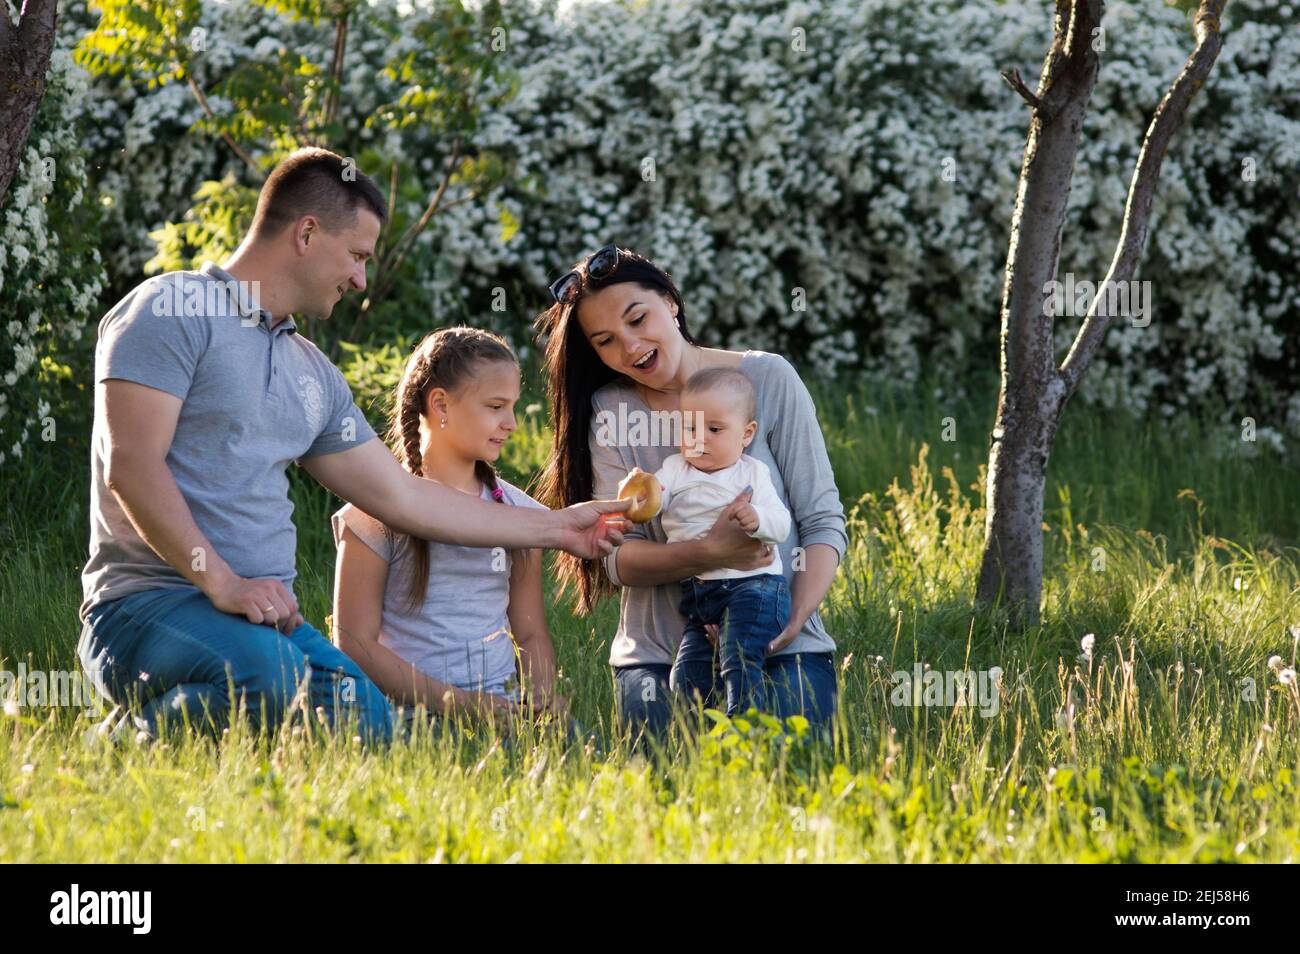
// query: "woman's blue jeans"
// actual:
[[643, 699], [169, 656]]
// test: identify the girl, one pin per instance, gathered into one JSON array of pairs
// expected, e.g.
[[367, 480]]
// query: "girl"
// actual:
[[618, 349], [447, 626]]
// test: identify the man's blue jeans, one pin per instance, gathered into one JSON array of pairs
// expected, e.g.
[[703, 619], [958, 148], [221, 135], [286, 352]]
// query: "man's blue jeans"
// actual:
[[169, 655], [750, 612]]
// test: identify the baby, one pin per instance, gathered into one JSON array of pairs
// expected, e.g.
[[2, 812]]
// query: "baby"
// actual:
[[750, 607]]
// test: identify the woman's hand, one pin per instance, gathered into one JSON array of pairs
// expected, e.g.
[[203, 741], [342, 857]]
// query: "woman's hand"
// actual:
[[503, 713], [785, 639], [730, 547], [711, 630]]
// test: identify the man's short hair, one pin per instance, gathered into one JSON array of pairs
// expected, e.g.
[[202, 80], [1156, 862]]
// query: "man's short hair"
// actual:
[[733, 382], [317, 182]]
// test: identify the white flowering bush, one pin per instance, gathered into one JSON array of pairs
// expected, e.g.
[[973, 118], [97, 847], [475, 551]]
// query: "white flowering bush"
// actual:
[[151, 159], [409, 93], [51, 276], [863, 156], [830, 180]]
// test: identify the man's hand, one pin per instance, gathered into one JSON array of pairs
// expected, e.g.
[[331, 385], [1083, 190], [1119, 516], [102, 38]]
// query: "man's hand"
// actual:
[[747, 517], [586, 531], [369, 477], [266, 602]]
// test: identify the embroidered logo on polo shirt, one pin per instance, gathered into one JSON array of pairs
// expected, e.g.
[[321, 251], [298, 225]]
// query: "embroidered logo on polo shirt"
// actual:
[[312, 397]]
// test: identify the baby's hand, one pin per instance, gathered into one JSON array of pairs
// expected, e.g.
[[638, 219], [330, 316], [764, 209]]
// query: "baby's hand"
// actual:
[[747, 517]]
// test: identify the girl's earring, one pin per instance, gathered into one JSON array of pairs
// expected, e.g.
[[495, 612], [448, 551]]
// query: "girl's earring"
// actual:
[[444, 423]]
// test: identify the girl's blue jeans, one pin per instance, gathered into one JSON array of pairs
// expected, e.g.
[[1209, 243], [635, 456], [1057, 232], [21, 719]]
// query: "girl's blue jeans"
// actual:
[[169, 656]]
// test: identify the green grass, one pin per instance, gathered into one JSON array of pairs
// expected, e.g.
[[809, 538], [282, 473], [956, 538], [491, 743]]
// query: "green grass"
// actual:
[[1181, 562]]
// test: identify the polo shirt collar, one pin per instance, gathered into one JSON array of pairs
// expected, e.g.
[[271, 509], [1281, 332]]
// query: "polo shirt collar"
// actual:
[[245, 307]]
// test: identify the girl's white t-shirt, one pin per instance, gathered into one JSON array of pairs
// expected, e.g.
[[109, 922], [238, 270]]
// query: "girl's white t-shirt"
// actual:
[[460, 633]]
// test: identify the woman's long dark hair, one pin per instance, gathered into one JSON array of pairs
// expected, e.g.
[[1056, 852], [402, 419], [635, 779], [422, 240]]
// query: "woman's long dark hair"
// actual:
[[574, 372], [443, 359]]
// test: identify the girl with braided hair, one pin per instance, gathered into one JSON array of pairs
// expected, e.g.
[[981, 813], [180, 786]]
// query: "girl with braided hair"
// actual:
[[448, 627]]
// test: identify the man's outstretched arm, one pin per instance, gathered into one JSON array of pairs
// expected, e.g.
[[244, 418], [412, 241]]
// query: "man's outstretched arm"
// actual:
[[140, 423], [370, 477]]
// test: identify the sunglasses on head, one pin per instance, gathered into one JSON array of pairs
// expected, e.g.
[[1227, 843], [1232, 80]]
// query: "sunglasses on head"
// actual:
[[599, 264]]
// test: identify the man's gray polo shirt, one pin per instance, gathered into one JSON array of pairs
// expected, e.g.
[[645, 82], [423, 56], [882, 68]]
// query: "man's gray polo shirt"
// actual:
[[256, 398]]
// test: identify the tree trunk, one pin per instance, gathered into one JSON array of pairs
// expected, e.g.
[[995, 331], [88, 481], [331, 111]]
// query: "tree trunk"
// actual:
[[1012, 567], [1033, 391], [24, 58], [1030, 392]]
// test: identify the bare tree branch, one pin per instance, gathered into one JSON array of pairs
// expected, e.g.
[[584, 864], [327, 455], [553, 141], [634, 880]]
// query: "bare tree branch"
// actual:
[[1015, 82], [336, 63], [1137, 213], [202, 100], [382, 245], [230, 141], [386, 272]]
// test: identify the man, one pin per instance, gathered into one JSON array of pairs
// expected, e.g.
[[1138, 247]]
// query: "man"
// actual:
[[204, 393]]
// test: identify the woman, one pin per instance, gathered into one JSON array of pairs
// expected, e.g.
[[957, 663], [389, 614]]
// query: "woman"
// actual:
[[617, 351], [434, 624]]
